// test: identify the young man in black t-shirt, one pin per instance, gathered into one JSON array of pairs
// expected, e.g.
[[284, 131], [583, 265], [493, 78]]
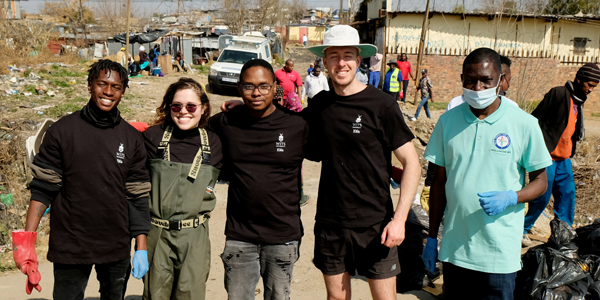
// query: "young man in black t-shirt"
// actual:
[[91, 167], [356, 128], [263, 149]]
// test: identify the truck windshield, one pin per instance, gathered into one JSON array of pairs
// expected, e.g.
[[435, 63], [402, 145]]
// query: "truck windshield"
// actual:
[[237, 57]]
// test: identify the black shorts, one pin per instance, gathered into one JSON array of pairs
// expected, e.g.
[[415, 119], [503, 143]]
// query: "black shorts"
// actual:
[[339, 250]]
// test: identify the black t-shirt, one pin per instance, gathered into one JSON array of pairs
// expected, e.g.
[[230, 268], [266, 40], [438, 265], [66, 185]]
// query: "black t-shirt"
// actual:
[[184, 145], [354, 137], [262, 159]]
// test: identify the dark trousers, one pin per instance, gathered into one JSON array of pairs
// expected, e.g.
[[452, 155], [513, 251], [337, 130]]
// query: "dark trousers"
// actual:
[[393, 94], [308, 100], [404, 87], [70, 281], [461, 283]]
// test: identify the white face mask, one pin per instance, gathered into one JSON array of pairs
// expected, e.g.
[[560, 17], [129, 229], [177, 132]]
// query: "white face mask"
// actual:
[[481, 99]]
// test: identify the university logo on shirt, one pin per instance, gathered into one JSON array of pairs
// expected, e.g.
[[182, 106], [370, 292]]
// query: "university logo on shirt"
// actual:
[[120, 154], [281, 144], [357, 126]]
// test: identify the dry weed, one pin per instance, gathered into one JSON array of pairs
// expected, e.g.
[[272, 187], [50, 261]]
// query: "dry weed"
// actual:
[[586, 171], [26, 44]]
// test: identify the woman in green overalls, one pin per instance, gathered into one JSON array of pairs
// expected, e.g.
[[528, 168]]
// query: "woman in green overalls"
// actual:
[[184, 161]]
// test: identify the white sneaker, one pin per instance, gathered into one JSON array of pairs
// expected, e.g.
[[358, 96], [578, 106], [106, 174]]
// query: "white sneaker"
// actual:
[[413, 119]]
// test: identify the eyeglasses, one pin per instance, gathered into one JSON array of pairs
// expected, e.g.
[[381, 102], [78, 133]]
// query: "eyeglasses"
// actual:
[[176, 107], [263, 88]]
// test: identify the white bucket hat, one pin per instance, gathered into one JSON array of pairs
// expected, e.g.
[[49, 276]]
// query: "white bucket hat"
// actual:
[[343, 36]]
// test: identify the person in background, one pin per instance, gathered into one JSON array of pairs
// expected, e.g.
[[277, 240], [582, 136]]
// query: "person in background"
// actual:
[[426, 95], [314, 83], [91, 167], [178, 242], [362, 74], [504, 85], [483, 151], [145, 61], [305, 40], [406, 70], [375, 69], [155, 54], [289, 79], [310, 68], [560, 115], [123, 58], [391, 83]]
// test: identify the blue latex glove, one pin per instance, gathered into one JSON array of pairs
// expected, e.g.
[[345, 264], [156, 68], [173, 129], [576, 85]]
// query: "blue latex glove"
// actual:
[[494, 203], [140, 264], [430, 254]]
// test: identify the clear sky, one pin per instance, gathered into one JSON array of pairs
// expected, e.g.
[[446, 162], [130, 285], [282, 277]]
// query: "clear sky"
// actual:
[[34, 6]]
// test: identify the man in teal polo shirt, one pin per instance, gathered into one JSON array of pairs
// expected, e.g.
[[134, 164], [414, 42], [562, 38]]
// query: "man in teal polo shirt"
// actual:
[[483, 149]]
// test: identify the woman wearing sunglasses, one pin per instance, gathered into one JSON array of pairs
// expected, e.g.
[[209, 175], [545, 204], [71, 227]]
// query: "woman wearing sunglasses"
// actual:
[[184, 161]]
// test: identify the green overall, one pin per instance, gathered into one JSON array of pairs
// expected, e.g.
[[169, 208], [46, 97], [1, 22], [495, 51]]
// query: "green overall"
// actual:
[[178, 242]]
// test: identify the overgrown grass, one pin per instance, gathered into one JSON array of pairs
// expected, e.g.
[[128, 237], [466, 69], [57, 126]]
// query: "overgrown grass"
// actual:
[[438, 105], [202, 69], [64, 72], [60, 83], [596, 115], [70, 106], [30, 88]]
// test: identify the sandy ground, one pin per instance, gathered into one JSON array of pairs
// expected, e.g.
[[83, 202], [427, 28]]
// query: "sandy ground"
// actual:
[[307, 281]]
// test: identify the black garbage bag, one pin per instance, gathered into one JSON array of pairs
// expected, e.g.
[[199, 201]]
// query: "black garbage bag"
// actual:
[[526, 277], [588, 239], [594, 291], [414, 275], [562, 234]]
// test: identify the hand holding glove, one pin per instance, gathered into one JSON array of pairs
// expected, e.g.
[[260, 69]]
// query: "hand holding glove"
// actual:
[[494, 203], [26, 258], [430, 254], [140, 264]]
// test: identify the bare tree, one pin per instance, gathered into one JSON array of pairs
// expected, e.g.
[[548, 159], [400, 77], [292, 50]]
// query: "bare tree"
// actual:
[[113, 15], [74, 12], [235, 12]]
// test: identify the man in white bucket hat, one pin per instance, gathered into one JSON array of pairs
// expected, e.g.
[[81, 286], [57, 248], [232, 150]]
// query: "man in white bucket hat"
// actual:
[[355, 128]]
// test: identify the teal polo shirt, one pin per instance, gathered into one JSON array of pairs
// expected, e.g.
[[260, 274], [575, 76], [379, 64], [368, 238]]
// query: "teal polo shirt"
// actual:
[[486, 155]]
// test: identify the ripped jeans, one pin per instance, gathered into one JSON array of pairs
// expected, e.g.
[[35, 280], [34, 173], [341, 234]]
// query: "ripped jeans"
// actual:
[[246, 262]]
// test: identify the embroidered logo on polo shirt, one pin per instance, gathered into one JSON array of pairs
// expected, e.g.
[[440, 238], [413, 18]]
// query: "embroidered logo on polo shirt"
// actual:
[[281, 144], [502, 141], [357, 126], [120, 154]]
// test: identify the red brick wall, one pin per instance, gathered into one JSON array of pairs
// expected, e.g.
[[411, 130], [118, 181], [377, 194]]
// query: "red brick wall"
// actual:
[[531, 77]]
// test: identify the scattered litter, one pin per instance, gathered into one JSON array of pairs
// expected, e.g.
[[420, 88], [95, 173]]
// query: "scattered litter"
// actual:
[[5, 248], [40, 112], [51, 93], [7, 199], [43, 107], [73, 82], [11, 92], [41, 89], [153, 111], [13, 80], [27, 93]]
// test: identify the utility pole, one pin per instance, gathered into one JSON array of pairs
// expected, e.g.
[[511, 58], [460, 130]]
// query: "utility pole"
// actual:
[[340, 13], [127, 32], [421, 46], [83, 40]]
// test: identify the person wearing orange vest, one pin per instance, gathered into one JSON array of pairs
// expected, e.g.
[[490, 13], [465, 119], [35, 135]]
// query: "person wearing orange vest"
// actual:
[[560, 115]]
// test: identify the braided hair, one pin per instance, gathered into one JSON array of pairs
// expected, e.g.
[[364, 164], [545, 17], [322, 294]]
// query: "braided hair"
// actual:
[[108, 66]]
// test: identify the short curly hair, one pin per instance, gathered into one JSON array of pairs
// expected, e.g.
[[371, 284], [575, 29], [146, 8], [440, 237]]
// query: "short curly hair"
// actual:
[[107, 65], [163, 112]]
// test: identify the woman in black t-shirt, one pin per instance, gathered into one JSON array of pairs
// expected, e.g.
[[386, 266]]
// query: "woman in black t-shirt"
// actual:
[[184, 161]]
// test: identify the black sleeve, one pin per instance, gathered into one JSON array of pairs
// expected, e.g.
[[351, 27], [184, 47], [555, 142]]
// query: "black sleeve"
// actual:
[[150, 142], [313, 147], [138, 188], [216, 152], [395, 131], [47, 170]]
